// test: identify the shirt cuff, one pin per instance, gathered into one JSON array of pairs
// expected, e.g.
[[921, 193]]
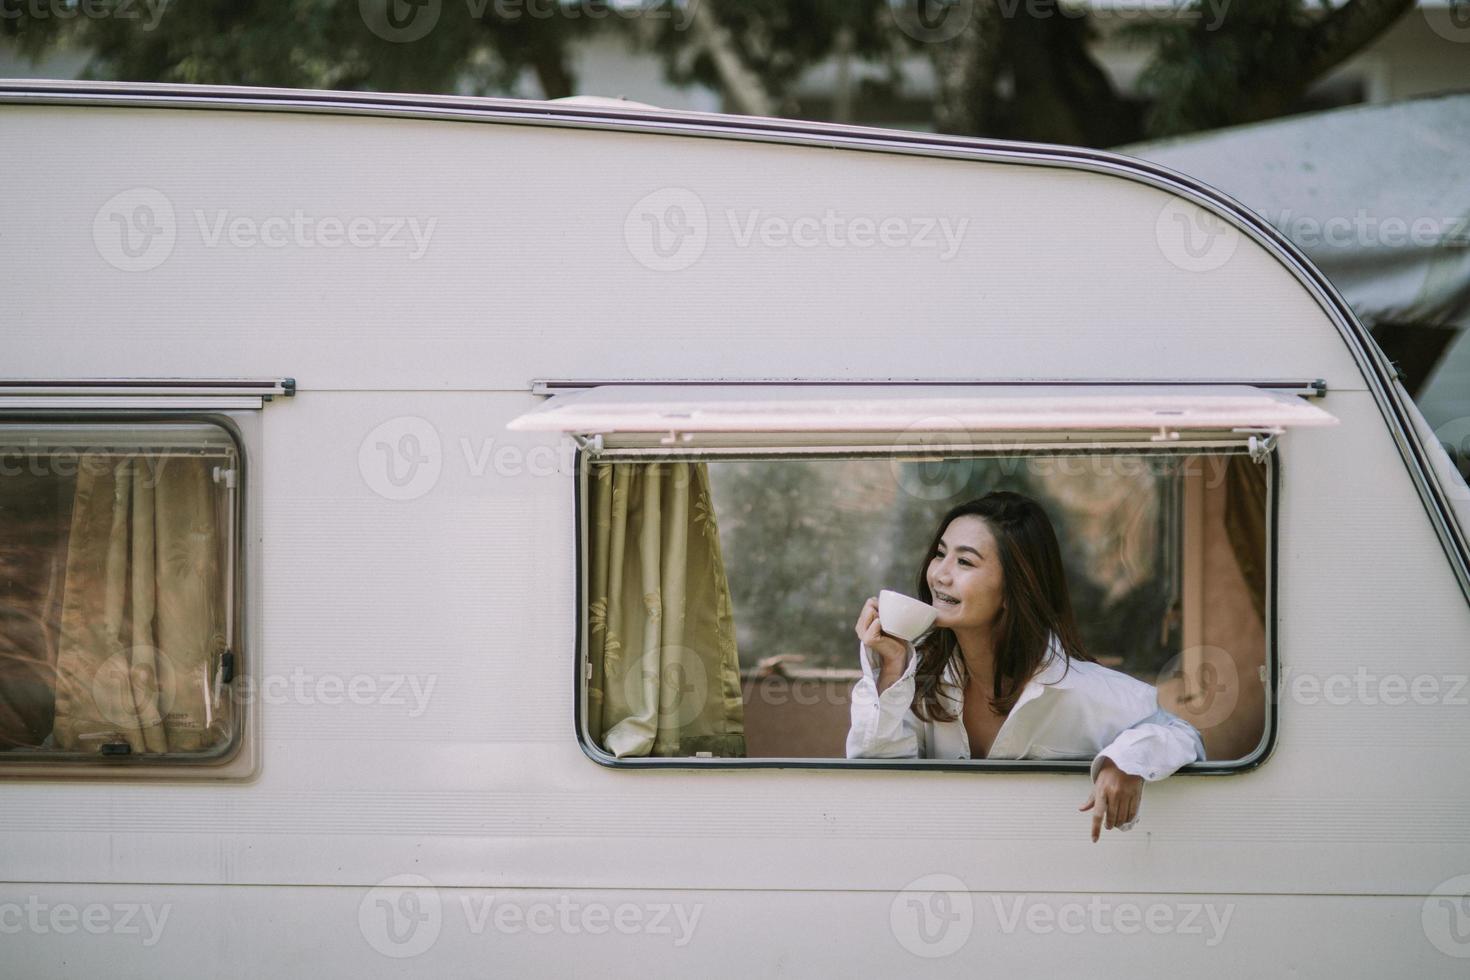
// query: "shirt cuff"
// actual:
[[1126, 763], [872, 666]]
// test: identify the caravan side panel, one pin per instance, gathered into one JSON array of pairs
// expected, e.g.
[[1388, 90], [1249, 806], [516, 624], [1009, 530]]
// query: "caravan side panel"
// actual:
[[465, 783]]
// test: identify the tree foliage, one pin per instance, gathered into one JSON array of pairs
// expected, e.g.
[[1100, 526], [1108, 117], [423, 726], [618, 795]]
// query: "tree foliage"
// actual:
[[470, 47], [1252, 64], [1020, 69]]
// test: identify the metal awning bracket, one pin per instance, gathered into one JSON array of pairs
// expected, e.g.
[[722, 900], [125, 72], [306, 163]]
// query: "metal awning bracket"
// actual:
[[1260, 443], [1165, 434], [591, 445]]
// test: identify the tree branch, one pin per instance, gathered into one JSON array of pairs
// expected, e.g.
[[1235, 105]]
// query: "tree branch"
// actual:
[[1062, 94], [550, 64], [965, 69], [1347, 30], [741, 85]]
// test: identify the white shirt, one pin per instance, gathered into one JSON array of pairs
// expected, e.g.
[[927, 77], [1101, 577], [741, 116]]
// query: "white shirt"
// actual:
[[1085, 711]]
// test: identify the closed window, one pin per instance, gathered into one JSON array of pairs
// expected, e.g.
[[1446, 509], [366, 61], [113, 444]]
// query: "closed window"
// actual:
[[118, 579]]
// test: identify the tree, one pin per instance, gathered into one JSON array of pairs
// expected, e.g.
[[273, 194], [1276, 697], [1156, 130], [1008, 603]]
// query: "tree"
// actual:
[[1259, 59], [753, 51], [475, 46], [1019, 69], [1025, 69]]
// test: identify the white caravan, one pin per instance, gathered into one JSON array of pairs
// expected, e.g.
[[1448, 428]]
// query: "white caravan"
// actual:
[[304, 652]]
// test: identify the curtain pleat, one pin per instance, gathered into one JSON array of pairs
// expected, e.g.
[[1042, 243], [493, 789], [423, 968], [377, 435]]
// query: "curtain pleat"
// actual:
[[665, 673], [141, 618]]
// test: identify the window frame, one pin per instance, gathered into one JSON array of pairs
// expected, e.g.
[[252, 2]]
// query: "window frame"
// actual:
[[581, 662], [238, 758]]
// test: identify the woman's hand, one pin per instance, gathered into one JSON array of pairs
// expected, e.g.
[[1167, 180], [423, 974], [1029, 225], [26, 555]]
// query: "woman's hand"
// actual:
[[1116, 795], [891, 651]]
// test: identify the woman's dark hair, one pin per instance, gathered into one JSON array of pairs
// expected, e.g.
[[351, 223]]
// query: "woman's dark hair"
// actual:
[[1035, 605]]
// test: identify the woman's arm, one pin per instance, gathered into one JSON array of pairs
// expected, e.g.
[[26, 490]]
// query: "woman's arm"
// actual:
[[883, 726], [1150, 750], [1153, 748]]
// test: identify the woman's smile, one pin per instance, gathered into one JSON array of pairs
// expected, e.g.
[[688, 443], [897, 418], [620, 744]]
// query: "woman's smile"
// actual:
[[964, 575]]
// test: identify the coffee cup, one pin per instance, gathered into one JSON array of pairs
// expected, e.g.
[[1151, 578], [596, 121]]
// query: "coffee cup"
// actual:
[[904, 616]]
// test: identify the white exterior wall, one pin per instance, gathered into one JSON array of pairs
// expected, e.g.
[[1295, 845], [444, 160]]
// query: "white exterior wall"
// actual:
[[1325, 854], [528, 274]]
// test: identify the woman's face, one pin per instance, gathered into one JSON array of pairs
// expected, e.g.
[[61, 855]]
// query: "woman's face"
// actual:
[[965, 575]]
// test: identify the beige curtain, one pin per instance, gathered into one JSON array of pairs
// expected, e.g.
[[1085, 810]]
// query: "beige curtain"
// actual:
[[1245, 524], [661, 631], [142, 619]]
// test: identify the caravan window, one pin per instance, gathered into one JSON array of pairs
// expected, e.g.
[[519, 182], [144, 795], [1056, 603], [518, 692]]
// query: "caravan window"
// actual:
[[1166, 558], [729, 535], [117, 592]]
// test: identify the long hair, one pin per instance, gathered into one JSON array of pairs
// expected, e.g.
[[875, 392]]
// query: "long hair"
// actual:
[[1036, 605]]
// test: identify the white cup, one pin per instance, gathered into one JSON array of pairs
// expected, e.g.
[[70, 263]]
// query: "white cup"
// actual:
[[904, 616]]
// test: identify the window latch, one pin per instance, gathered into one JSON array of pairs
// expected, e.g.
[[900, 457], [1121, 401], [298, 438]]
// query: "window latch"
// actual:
[[591, 445], [1260, 447], [1260, 442], [226, 475]]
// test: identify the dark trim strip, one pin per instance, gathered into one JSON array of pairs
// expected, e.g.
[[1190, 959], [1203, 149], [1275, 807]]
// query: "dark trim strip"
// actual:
[[1315, 388], [148, 386]]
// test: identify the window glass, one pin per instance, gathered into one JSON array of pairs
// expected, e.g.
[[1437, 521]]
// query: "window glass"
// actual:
[[749, 650], [116, 579]]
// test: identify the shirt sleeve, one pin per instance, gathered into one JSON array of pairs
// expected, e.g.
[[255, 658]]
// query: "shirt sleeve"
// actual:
[[1154, 748], [884, 725]]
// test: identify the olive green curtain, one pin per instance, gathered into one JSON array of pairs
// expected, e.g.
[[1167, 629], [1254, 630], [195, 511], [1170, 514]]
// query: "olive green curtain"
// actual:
[[141, 617], [665, 678]]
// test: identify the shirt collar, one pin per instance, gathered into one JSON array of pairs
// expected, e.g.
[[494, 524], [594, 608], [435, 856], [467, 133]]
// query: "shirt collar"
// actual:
[[1055, 671]]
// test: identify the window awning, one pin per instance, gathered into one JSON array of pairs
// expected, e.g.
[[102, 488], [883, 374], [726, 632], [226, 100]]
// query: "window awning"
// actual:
[[685, 411]]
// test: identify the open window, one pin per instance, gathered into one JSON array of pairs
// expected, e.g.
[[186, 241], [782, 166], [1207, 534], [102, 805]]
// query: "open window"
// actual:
[[122, 578], [729, 535]]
